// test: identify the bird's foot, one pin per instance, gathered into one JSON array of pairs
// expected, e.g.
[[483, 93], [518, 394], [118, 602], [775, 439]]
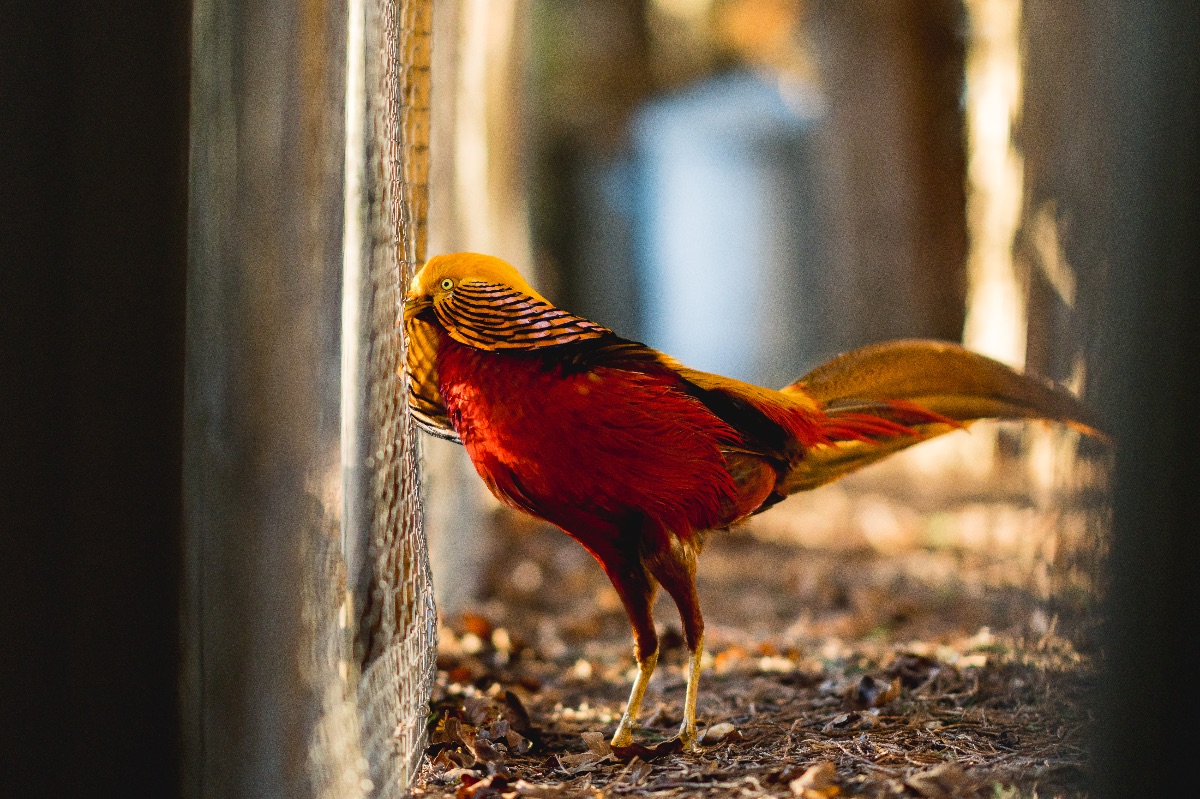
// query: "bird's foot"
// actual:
[[623, 737], [687, 735], [625, 748], [687, 730]]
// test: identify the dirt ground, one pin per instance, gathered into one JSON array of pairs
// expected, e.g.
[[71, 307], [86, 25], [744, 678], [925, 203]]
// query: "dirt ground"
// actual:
[[846, 670]]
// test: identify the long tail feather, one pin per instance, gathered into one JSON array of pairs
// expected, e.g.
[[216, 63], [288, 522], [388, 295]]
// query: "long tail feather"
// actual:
[[941, 377], [931, 387]]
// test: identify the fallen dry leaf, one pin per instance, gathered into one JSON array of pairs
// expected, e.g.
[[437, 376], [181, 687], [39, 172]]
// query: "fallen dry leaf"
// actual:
[[578, 759], [460, 774], [597, 743], [941, 782], [477, 625], [871, 692], [477, 709], [816, 782], [727, 658], [913, 670], [670, 746], [840, 721], [534, 790], [516, 715], [720, 733], [487, 788]]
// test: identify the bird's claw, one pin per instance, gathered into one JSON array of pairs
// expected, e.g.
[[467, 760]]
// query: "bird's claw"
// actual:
[[687, 737], [622, 738]]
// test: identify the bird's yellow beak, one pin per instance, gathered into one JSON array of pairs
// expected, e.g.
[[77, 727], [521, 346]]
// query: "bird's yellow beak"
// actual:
[[413, 305]]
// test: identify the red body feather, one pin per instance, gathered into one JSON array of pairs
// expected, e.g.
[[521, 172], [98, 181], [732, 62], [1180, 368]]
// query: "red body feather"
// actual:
[[590, 450]]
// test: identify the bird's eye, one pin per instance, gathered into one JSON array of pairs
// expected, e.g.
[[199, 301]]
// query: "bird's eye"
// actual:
[[447, 284]]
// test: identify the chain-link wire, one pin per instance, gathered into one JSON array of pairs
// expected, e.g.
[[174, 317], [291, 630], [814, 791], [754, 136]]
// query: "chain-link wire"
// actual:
[[402, 622], [370, 738]]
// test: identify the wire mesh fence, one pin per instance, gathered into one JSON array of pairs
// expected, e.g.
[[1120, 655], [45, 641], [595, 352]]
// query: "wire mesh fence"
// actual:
[[400, 625], [371, 737]]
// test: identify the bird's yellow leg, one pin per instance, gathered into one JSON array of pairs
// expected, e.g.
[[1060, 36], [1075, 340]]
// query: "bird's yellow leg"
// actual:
[[675, 569], [687, 730], [624, 734]]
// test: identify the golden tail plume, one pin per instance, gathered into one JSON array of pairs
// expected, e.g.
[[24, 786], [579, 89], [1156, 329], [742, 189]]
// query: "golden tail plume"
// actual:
[[887, 380]]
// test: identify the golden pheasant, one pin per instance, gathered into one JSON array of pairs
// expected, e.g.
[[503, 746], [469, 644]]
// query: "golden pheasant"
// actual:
[[637, 457]]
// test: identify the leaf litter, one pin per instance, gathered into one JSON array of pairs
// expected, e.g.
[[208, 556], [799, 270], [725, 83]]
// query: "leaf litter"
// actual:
[[828, 674]]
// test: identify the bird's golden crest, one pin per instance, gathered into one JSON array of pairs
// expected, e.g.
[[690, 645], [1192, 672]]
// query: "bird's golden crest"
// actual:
[[483, 302], [466, 267]]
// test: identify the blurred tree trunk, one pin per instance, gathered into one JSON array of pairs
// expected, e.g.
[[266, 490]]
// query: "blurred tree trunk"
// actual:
[[893, 143], [1062, 244], [1112, 122]]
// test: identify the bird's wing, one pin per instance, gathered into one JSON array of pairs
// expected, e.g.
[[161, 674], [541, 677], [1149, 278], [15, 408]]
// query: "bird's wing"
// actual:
[[424, 397], [768, 422], [772, 424]]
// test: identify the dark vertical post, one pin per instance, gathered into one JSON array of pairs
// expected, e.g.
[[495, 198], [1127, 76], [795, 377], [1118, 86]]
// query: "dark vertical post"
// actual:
[[1110, 132], [1151, 114], [93, 177], [262, 466]]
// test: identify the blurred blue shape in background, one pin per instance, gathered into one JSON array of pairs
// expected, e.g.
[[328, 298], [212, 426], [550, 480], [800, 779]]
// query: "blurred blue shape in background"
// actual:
[[727, 224]]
